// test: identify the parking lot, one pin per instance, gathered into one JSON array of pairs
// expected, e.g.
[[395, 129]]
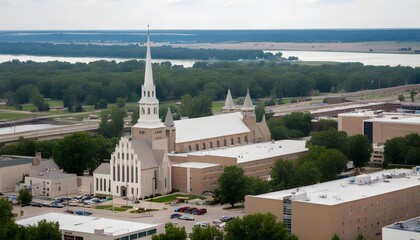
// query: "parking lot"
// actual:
[[161, 216]]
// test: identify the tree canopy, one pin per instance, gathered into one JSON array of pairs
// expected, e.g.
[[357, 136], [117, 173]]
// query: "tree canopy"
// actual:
[[257, 227], [172, 233], [403, 150], [232, 185], [25, 196], [359, 150]]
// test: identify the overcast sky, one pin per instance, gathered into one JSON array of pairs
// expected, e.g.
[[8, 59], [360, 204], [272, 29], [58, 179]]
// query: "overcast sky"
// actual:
[[207, 14]]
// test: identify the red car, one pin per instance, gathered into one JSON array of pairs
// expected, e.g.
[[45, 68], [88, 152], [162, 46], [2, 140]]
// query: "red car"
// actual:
[[199, 211]]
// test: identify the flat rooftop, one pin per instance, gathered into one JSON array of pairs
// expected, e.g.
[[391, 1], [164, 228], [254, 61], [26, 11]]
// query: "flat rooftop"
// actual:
[[412, 225], [344, 107], [251, 152], [197, 165], [86, 224], [342, 190]]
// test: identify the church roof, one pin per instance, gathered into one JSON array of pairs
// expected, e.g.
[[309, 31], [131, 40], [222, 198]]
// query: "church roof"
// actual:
[[169, 121], [194, 129], [144, 153], [104, 168], [248, 102], [229, 105]]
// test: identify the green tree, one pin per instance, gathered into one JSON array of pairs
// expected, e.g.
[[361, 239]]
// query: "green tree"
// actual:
[[172, 233], [121, 102], [260, 111], [43, 230], [6, 214], [401, 98], [74, 153], [112, 122], [298, 121], [306, 174], [231, 185], [395, 150], [208, 233], [25, 196], [359, 150], [412, 94], [256, 227], [335, 237], [258, 186], [360, 237], [330, 138], [281, 173]]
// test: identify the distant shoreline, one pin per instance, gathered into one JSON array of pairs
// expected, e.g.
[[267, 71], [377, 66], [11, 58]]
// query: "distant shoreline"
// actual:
[[360, 47]]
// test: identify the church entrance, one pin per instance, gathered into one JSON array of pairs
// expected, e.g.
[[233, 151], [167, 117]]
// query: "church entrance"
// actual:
[[123, 191]]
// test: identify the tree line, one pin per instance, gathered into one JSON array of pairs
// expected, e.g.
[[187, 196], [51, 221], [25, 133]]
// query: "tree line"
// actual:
[[103, 81], [127, 51]]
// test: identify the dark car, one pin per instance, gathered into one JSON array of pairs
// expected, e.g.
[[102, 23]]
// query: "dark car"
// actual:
[[35, 204], [83, 213], [180, 209], [190, 210], [199, 211], [175, 215], [226, 218]]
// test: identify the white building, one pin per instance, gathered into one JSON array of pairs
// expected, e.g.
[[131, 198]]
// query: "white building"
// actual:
[[75, 227], [402, 230]]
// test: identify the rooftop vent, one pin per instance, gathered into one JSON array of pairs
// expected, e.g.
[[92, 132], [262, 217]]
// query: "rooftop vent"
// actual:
[[322, 196]]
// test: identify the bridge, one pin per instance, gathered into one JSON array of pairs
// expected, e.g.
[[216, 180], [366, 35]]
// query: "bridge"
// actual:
[[50, 133]]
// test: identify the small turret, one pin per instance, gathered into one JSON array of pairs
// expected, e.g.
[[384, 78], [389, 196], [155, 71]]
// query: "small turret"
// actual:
[[229, 105]]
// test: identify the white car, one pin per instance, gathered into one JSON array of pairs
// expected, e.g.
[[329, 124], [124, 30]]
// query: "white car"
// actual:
[[202, 224], [186, 217]]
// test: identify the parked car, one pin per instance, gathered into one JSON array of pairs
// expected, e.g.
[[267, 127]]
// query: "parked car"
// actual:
[[186, 217], [175, 215], [199, 211], [83, 213], [69, 211], [180, 209], [46, 204], [57, 205], [35, 204], [202, 224], [226, 218], [190, 210]]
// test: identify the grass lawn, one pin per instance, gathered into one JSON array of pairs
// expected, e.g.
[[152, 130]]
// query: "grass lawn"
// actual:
[[116, 208], [12, 116], [217, 106], [54, 102], [173, 197]]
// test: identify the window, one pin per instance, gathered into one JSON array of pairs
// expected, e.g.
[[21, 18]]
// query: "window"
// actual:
[[104, 184], [239, 139], [148, 110], [211, 144], [196, 147], [217, 143], [117, 189], [134, 236], [142, 234], [148, 93], [78, 238], [224, 142], [151, 231], [204, 146], [189, 148], [97, 184], [231, 141], [142, 111], [100, 182]]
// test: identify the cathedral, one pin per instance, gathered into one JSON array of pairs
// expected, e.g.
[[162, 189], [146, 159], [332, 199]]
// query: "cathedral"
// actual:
[[141, 166]]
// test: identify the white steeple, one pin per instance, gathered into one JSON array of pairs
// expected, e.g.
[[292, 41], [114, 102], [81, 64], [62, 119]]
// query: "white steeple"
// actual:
[[229, 105], [149, 104]]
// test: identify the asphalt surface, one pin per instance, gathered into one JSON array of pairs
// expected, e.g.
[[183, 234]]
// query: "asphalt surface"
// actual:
[[161, 216]]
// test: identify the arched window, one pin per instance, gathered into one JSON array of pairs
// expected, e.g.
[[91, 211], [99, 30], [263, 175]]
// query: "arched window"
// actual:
[[231, 141], [189, 148], [148, 110], [239, 139], [203, 146], [153, 94], [211, 144], [224, 142], [217, 143], [117, 189], [148, 93], [142, 111], [196, 147]]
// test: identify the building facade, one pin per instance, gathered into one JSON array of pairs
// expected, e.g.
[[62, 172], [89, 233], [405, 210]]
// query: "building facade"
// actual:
[[346, 207], [140, 165], [402, 230]]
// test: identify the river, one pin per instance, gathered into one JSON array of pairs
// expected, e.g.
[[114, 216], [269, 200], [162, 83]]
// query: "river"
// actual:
[[377, 59]]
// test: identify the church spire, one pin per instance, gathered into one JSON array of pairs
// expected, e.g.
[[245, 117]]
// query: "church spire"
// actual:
[[169, 121], [248, 106], [229, 105], [149, 104], [148, 74]]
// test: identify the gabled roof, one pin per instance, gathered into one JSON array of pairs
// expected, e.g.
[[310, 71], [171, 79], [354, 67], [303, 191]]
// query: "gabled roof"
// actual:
[[194, 129], [144, 153], [104, 168]]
